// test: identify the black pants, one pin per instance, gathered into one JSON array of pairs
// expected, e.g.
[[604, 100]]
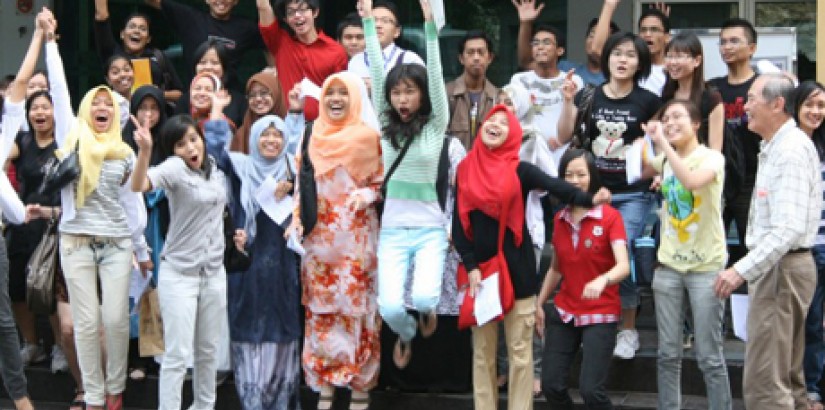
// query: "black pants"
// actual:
[[561, 344], [737, 210], [11, 365]]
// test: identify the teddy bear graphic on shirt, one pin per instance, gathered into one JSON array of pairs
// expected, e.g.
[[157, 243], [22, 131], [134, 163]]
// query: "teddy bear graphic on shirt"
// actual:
[[609, 143]]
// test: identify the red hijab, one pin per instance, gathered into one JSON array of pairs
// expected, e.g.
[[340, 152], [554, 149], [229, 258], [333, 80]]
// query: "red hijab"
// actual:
[[488, 180]]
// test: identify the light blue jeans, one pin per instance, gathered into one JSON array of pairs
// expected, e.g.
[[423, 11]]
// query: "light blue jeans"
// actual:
[[669, 288], [634, 208], [397, 247]]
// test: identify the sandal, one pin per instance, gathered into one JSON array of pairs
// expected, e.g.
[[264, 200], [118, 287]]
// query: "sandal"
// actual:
[[114, 401], [359, 401], [78, 402], [427, 323], [402, 353], [326, 397]]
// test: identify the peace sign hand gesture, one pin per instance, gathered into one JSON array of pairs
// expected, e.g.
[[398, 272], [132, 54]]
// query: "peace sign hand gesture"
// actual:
[[142, 135]]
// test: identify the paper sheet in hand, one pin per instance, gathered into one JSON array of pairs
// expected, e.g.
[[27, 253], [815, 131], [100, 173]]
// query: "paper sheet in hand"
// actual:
[[294, 243], [636, 154], [739, 311], [488, 301], [278, 211], [438, 13], [138, 285], [310, 89]]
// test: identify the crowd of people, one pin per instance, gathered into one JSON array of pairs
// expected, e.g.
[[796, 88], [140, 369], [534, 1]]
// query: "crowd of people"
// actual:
[[282, 226]]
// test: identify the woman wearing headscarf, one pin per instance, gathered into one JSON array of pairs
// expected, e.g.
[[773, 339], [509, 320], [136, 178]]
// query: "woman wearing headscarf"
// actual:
[[264, 315], [263, 97], [201, 90], [342, 325], [492, 186]]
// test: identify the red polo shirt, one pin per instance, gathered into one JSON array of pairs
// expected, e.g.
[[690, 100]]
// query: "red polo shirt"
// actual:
[[295, 60], [591, 256]]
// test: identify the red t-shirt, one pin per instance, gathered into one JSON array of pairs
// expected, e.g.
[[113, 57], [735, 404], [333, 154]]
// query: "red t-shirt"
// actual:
[[598, 230], [295, 60]]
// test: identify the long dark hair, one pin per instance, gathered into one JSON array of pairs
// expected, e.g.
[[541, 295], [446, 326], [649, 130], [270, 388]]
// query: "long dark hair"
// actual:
[[805, 90], [690, 44], [589, 159], [30, 100], [397, 130], [176, 128]]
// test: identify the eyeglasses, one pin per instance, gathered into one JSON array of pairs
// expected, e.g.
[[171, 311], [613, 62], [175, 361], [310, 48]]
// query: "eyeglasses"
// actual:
[[678, 57], [733, 42], [385, 20], [544, 41], [651, 30], [259, 94], [295, 12]]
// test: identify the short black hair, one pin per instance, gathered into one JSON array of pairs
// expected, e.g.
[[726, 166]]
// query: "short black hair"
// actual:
[[614, 28], [473, 35], [350, 20], [642, 70], [220, 50], [389, 6], [137, 14], [654, 12], [280, 6], [589, 159], [560, 40], [750, 32]]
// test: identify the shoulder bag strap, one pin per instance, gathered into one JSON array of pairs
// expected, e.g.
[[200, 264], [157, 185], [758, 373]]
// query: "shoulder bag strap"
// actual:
[[395, 163]]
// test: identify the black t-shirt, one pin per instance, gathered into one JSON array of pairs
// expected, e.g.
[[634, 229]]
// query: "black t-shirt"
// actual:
[[709, 100], [734, 97], [613, 127], [195, 26]]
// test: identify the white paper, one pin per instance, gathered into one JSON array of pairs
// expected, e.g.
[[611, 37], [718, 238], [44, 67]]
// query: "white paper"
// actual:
[[635, 154], [137, 286], [739, 311], [277, 210], [487, 304], [438, 13], [310, 89], [294, 243]]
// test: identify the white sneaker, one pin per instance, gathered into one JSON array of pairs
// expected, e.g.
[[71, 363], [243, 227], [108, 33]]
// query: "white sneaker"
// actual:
[[627, 343], [32, 353], [59, 362]]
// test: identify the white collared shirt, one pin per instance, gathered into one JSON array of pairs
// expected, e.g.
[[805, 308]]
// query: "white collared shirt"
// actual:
[[359, 63]]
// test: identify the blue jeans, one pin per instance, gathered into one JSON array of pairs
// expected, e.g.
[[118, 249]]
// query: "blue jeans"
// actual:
[[814, 359], [634, 208], [397, 247], [669, 288]]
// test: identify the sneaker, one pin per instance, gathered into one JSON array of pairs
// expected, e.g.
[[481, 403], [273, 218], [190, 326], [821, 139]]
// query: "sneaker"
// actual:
[[59, 362], [32, 353], [627, 343]]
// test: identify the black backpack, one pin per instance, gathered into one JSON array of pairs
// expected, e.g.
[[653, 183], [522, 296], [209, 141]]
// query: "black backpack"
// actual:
[[308, 189]]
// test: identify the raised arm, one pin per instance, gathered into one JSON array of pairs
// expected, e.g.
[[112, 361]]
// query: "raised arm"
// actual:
[[691, 179], [438, 91], [266, 15], [153, 3], [376, 62], [567, 118], [528, 12], [63, 114], [143, 139], [217, 133], [105, 43], [602, 30], [716, 127]]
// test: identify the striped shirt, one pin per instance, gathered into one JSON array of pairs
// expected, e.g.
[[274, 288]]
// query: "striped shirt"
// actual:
[[786, 207], [102, 214]]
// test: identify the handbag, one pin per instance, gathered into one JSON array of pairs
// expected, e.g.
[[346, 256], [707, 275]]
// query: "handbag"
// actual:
[[581, 133], [308, 198], [41, 272], [150, 328], [496, 264], [57, 173]]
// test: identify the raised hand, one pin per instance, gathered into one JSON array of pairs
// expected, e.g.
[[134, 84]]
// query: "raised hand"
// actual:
[[656, 132], [142, 135], [663, 7], [528, 10], [296, 103], [569, 87], [220, 100], [366, 8], [427, 10]]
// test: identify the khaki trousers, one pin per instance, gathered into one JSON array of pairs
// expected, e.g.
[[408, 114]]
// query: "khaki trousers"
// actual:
[[519, 325], [779, 301]]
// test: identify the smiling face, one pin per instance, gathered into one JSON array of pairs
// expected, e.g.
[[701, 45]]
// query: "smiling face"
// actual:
[[812, 111], [148, 112], [300, 17], [758, 108], [271, 143], [681, 64], [577, 174], [336, 101], [678, 128], [102, 111], [41, 115], [210, 64], [120, 76], [494, 131], [190, 148], [734, 45], [405, 98], [135, 35], [387, 26], [201, 93], [623, 61], [220, 9], [352, 38], [260, 99], [546, 48]]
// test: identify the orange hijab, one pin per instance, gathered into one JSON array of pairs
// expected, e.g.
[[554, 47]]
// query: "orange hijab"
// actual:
[[348, 142], [240, 143]]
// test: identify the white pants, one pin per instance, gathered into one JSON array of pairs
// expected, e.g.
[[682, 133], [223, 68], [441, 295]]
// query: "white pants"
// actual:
[[84, 260], [194, 317]]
